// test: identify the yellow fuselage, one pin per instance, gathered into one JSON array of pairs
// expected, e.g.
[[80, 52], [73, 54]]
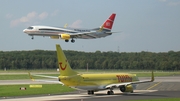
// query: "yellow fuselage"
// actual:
[[96, 81]]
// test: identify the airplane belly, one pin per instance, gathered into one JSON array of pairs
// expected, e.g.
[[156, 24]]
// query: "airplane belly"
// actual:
[[37, 33], [95, 88]]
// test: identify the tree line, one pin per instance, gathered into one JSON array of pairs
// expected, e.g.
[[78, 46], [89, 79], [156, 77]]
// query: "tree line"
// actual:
[[41, 59]]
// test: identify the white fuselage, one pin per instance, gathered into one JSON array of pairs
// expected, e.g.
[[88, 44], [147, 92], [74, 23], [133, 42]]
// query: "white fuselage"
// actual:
[[57, 31]]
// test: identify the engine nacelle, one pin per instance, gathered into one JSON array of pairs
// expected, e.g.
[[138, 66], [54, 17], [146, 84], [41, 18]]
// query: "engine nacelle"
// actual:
[[65, 36], [128, 88], [54, 37]]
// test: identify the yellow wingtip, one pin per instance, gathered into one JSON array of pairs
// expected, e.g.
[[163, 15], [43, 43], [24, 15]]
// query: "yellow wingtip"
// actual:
[[100, 30], [65, 25]]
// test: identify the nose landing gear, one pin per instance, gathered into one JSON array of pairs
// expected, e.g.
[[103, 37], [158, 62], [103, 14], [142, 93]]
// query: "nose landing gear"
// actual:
[[32, 37]]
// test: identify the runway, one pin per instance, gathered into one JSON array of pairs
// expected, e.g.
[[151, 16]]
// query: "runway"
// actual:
[[138, 94], [162, 87]]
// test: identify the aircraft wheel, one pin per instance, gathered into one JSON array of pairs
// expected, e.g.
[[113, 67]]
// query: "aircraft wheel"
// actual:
[[72, 40], [66, 40], [90, 92], [110, 92]]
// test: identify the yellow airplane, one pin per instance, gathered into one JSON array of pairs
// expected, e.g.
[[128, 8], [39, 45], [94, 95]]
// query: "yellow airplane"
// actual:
[[94, 82]]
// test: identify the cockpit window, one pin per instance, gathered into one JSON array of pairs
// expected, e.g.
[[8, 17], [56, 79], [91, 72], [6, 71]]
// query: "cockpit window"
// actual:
[[30, 28]]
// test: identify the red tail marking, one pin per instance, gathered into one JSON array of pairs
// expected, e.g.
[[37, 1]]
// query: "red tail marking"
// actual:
[[62, 68], [109, 22]]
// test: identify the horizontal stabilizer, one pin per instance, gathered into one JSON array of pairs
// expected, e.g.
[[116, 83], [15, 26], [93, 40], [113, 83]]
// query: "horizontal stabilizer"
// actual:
[[50, 81]]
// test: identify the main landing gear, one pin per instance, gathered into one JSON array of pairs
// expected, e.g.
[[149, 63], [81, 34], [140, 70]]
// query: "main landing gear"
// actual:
[[66, 40], [90, 92], [71, 40], [110, 92]]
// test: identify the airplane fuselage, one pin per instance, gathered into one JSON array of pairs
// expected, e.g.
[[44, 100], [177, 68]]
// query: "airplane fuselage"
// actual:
[[96, 82], [57, 32]]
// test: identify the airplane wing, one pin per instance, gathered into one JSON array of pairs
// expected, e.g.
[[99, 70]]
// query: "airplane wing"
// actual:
[[52, 77], [81, 35], [90, 35], [52, 81], [85, 35], [129, 83]]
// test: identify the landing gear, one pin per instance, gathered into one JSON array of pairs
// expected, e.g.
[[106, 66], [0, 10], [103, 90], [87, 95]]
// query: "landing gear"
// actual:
[[110, 92], [66, 40], [72, 40], [90, 92], [32, 37]]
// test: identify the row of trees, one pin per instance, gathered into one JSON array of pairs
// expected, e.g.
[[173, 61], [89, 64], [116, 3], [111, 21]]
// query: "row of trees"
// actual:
[[39, 59]]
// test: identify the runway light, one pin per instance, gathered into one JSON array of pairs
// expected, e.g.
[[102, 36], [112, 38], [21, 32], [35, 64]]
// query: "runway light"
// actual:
[[22, 88]]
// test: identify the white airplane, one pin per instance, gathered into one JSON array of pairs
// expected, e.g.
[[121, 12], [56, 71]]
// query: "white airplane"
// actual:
[[72, 33]]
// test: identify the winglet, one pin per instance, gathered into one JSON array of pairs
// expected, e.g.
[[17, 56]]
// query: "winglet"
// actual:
[[65, 25], [101, 28], [30, 76]]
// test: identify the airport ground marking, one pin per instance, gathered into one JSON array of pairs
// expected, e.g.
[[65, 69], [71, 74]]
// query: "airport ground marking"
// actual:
[[154, 86]]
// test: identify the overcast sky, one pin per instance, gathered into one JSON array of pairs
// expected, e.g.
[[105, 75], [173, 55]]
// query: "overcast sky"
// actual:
[[146, 25]]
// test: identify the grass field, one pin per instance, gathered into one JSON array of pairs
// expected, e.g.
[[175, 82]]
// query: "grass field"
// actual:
[[14, 90], [161, 99]]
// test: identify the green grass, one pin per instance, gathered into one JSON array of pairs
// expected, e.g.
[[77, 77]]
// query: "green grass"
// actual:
[[14, 90], [160, 99]]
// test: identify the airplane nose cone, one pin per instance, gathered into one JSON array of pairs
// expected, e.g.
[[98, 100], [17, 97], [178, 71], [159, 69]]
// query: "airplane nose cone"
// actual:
[[24, 30]]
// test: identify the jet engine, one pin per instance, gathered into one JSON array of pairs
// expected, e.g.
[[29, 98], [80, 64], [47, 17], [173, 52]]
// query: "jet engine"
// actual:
[[127, 88], [65, 36]]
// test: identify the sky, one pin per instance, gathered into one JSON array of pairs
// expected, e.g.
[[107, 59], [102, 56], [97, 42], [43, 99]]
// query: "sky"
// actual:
[[142, 25]]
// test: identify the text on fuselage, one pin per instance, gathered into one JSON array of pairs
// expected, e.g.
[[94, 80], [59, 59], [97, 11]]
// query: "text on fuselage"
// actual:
[[124, 78]]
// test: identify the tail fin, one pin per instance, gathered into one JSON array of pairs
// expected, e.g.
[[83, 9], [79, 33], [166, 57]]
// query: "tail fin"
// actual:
[[64, 67], [109, 22]]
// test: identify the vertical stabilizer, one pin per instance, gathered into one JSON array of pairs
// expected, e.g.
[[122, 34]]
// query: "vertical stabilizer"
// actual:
[[64, 67], [109, 22]]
